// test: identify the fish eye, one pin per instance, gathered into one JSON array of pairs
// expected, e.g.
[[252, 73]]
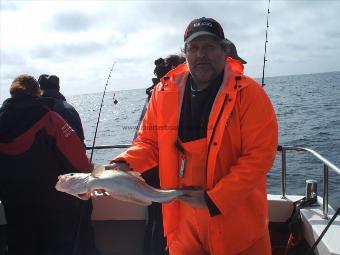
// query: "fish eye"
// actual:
[[71, 174]]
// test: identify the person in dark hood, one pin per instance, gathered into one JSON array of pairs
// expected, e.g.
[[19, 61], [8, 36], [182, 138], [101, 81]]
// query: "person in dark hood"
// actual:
[[36, 146], [162, 67], [49, 84], [231, 51]]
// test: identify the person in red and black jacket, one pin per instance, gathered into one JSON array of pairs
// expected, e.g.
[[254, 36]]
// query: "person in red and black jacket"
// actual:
[[37, 145]]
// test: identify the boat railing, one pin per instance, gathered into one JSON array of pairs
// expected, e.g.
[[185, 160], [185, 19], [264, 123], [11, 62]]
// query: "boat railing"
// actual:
[[101, 147], [283, 149], [326, 166]]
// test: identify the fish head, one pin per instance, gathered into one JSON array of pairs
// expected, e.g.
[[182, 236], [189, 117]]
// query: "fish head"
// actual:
[[75, 184]]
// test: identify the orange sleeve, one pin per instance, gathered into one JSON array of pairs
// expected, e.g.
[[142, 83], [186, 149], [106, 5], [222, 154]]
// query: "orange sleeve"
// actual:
[[259, 136], [143, 154]]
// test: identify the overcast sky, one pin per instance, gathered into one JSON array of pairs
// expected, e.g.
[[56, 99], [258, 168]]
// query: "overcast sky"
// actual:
[[79, 40]]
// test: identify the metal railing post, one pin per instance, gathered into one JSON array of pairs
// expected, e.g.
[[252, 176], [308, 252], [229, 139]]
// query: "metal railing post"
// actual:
[[283, 173], [325, 192]]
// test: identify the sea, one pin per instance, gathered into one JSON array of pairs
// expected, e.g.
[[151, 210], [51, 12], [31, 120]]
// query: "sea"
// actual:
[[308, 112]]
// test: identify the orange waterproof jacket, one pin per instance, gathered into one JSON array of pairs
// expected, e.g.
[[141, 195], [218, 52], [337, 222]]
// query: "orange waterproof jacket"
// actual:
[[241, 142]]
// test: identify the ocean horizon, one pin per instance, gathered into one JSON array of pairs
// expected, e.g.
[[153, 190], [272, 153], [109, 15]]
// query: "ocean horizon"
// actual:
[[257, 78]]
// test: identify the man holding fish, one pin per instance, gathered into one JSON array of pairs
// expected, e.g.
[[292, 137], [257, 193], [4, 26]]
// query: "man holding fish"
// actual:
[[213, 133]]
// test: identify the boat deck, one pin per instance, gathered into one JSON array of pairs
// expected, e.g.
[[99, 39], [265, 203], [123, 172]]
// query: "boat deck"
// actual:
[[115, 236]]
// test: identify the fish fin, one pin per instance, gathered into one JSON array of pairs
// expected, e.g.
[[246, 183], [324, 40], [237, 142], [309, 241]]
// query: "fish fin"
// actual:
[[136, 174], [98, 171]]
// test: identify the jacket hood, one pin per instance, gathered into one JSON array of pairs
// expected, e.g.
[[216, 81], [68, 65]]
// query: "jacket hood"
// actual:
[[17, 115], [54, 94]]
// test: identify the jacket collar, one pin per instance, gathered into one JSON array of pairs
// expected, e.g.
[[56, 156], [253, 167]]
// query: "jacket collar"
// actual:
[[179, 75]]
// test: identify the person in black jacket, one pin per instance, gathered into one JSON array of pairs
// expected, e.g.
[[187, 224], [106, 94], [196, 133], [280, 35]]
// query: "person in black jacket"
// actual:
[[36, 146], [49, 84]]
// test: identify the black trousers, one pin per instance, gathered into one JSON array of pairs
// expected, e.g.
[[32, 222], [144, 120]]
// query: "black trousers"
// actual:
[[52, 232], [154, 240]]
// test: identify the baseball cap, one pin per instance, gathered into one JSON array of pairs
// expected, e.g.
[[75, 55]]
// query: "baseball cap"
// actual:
[[203, 26], [209, 26]]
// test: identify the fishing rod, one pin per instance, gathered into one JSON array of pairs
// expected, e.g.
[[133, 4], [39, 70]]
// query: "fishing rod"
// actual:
[[100, 110], [82, 208], [265, 46], [311, 249], [141, 116]]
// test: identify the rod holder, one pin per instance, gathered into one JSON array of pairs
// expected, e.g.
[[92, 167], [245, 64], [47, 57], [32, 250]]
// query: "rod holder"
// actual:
[[311, 189]]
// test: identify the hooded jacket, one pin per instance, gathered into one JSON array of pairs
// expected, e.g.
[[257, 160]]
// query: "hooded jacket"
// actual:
[[66, 110], [37, 145], [242, 136]]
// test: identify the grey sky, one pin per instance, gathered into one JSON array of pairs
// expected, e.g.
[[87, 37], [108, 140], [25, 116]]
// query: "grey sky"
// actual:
[[79, 40]]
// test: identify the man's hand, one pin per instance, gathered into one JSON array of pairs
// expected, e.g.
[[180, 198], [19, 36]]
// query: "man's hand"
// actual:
[[122, 166], [194, 198]]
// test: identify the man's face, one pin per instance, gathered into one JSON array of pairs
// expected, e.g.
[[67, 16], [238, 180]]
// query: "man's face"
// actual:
[[206, 59]]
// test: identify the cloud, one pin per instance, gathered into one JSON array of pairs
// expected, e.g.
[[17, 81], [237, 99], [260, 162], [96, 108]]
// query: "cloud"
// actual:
[[8, 6], [71, 21], [16, 64], [64, 51], [78, 42]]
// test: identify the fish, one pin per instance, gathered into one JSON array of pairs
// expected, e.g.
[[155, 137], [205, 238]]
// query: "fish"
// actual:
[[126, 186]]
